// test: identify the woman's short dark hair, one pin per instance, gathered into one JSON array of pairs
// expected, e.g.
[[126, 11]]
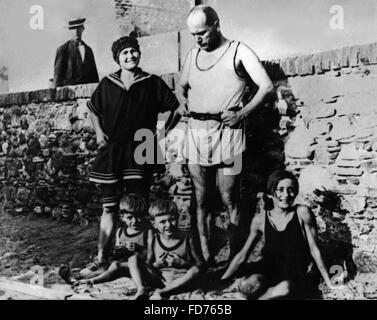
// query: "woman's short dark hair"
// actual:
[[279, 175]]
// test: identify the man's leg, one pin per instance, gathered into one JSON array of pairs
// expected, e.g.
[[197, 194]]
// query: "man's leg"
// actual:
[[201, 179], [229, 191]]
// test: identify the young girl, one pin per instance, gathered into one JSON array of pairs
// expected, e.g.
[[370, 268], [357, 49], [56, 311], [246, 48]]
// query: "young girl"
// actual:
[[290, 245], [172, 263], [131, 239]]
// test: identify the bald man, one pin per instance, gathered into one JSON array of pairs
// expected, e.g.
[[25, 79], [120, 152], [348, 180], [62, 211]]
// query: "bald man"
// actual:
[[212, 86]]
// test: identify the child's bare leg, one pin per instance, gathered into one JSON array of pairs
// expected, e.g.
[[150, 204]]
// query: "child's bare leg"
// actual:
[[281, 290], [179, 283], [115, 271], [138, 271]]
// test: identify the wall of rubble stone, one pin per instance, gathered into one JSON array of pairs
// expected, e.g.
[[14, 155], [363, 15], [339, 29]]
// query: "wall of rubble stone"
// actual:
[[331, 144], [47, 145]]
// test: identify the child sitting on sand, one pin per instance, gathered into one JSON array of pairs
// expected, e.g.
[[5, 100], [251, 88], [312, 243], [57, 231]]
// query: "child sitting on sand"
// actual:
[[290, 246], [131, 239], [172, 263]]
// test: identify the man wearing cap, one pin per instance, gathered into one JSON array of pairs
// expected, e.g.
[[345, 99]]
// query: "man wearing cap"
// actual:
[[213, 86], [125, 104], [74, 62]]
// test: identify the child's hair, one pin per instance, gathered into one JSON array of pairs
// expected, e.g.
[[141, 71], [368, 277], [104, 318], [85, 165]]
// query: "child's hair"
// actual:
[[279, 175], [162, 207], [134, 204]]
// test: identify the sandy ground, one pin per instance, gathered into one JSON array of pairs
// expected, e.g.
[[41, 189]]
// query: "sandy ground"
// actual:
[[30, 242]]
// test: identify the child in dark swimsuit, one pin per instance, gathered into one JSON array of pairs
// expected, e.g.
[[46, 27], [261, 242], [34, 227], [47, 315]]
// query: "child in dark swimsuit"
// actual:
[[172, 261], [131, 239], [290, 245]]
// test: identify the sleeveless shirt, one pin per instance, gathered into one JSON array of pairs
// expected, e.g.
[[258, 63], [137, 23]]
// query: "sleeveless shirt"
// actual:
[[182, 248], [122, 238], [214, 90], [218, 88]]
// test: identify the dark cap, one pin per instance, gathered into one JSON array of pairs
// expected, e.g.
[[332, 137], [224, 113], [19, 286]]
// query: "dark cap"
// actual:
[[123, 43], [74, 24]]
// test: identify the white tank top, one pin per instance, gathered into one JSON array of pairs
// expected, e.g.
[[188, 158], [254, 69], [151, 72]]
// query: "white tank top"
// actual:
[[218, 88]]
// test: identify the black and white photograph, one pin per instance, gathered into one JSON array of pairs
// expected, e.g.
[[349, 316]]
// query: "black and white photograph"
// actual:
[[209, 151]]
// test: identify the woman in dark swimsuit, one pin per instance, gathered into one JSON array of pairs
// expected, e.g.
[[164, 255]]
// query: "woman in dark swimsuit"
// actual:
[[290, 245]]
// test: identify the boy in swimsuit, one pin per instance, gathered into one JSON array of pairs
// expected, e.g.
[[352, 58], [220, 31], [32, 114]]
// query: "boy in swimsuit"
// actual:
[[131, 239], [290, 245], [172, 263]]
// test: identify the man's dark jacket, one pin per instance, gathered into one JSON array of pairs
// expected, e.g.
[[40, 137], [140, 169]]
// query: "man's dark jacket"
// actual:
[[69, 68]]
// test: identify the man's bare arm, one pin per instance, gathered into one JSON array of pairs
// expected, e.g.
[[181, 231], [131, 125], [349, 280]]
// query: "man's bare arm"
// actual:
[[182, 86], [258, 74], [252, 65]]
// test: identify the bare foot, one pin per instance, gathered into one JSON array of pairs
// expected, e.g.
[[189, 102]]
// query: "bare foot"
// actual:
[[156, 295], [88, 282], [141, 294]]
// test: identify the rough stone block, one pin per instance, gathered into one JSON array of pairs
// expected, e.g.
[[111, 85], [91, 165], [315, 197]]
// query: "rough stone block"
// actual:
[[304, 65], [349, 172], [347, 164], [371, 202], [372, 52], [288, 66], [365, 262], [326, 60], [317, 62], [346, 52], [354, 56], [346, 190]]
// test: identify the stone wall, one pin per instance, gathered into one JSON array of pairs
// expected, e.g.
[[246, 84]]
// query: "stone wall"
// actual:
[[47, 146], [331, 145]]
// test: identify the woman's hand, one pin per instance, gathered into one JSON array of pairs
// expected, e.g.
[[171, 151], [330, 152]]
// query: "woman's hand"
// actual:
[[102, 139]]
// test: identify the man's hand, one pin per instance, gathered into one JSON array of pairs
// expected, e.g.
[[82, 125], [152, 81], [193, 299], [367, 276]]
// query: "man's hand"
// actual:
[[231, 118], [102, 139]]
